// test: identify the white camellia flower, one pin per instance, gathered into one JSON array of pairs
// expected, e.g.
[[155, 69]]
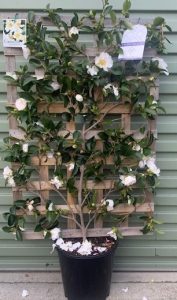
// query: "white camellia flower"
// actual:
[[92, 70], [57, 182], [110, 204], [162, 65], [55, 233], [13, 75], [7, 172], [50, 208], [73, 31], [104, 61], [71, 166], [112, 234], [50, 154], [128, 180], [113, 89], [59, 241], [39, 73], [86, 248], [136, 147], [26, 52], [20, 104], [152, 166], [55, 85], [100, 249], [30, 205], [11, 181], [25, 147], [79, 98]]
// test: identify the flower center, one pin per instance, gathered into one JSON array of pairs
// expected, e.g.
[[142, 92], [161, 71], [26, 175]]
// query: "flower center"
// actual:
[[102, 62]]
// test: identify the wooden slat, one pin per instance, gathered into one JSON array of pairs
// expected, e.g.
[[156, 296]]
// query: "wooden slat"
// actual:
[[119, 209], [55, 108], [36, 161], [43, 185], [94, 232], [92, 52]]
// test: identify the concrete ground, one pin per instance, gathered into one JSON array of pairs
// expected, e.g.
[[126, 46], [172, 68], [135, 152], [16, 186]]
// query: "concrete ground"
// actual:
[[125, 286]]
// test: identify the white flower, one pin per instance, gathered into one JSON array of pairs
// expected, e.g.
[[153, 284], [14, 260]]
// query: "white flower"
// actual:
[[59, 242], [57, 182], [76, 245], [30, 205], [55, 85], [110, 205], [112, 234], [49, 154], [20, 104], [11, 181], [162, 65], [152, 166], [39, 124], [39, 73], [11, 74], [128, 180], [79, 98], [136, 147], [86, 248], [26, 52], [25, 147], [100, 249], [92, 70], [113, 89], [104, 61], [7, 172], [55, 233], [150, 163], [25, 293], [50, 208], [71, 166], [73, 31]]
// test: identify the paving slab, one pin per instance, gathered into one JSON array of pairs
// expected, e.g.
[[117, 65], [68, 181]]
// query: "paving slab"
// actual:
[[125, 286]]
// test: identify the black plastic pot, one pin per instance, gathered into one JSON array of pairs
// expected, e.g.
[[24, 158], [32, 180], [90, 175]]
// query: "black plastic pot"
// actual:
[[86, 277]]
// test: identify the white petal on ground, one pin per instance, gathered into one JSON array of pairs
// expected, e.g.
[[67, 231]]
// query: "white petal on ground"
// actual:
[[125, 290], [25, 293], [86, 248]]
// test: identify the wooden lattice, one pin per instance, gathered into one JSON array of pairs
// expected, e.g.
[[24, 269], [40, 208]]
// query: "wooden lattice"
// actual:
[[43, 185]]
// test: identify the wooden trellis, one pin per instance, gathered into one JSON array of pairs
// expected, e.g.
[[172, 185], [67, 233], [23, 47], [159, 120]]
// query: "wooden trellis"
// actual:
[[43, 185]]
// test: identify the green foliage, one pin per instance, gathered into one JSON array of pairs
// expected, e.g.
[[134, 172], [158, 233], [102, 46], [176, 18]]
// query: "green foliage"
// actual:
[[66, 75]]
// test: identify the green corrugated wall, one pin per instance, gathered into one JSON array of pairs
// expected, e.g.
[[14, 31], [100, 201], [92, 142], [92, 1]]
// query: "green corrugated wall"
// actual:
[[154, 252]]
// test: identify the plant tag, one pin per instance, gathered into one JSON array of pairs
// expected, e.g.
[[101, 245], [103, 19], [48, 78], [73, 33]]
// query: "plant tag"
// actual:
[[14, 32], [133, 43]]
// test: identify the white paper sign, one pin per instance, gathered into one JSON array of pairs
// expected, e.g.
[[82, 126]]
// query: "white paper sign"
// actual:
[[133, 43], [14, 32]]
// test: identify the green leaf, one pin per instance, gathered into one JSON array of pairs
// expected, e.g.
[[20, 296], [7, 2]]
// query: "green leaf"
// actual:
[[113, 17], [107, 10], [11, 220], [158, 21], [7, 229], [126, 7], [35, 62], [38, 228], [66, 117]]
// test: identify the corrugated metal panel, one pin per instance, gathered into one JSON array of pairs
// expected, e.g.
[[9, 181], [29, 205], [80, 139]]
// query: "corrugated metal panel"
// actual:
[[151, 252]]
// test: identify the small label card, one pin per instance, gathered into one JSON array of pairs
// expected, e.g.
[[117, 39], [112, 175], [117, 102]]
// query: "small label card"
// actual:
[[133, 43], [14, 32]]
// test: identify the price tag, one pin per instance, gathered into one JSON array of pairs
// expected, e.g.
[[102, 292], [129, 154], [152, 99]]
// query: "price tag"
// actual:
[[14, 32], [133, 43]]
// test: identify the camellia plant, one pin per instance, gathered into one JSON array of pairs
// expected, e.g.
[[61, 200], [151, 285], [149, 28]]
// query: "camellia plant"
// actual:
[[60, 70]]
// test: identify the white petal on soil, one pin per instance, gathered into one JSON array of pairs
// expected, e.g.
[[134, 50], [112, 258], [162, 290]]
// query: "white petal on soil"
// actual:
[[25, 293], [125, 290]]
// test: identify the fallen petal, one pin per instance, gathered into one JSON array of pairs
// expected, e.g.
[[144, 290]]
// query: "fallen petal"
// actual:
[[25, 293], [125, 290]]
